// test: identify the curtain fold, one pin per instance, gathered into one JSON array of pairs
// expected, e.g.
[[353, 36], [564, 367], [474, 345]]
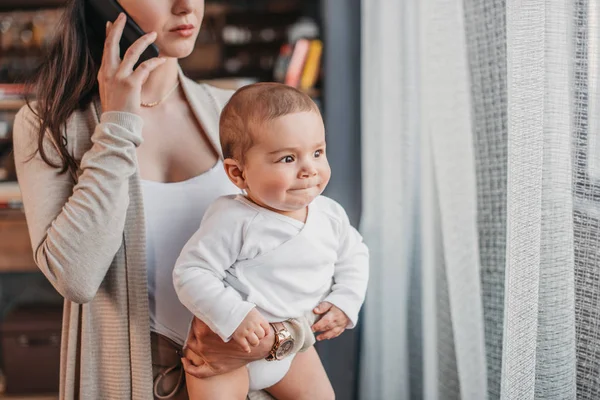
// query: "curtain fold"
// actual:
[[485, 28], [539, 337], [448, 123], [424, 331], [388, 75]]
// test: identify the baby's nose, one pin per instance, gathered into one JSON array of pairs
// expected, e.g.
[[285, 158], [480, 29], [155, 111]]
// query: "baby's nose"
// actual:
[[308, 171]]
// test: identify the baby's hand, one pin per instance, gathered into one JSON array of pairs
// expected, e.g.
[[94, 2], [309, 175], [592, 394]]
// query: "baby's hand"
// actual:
[[252, 329], [332, 324]]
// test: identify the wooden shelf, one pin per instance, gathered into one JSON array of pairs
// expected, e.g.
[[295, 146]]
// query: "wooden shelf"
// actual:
[[244, 73], [254, 45], [11, 105], [30, 4], [15, 247]]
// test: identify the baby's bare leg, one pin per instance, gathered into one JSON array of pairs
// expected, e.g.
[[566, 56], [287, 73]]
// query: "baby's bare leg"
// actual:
[[306, 379], [230, 386]]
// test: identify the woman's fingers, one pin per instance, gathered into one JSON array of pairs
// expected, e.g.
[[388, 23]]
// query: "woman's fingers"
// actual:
[[111, 54], [244, 344], [193, 358], [199, 371], [133, 53], [142, 72]]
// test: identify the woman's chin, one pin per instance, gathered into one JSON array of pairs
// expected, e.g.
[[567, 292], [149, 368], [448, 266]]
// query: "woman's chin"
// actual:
[[177, 51]]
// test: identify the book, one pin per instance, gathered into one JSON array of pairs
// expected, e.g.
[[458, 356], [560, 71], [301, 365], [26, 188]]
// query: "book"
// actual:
[[282, 62], [297, 61], [312, 67], [13, 90]]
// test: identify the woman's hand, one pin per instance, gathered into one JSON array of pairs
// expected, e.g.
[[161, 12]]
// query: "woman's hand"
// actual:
[[121, 86], [206, 355]]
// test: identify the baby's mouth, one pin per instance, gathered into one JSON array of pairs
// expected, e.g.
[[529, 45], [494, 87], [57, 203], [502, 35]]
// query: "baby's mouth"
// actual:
[[304, 188]]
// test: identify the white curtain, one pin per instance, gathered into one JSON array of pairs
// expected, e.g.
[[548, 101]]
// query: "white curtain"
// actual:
[[539, 330], [423, 327], [481, 155]]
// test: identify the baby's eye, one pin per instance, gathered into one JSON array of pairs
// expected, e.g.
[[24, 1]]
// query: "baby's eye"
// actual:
[[318, 153], [287, 159]]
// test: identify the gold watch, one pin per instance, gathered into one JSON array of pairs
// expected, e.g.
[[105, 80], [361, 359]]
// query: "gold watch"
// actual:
[[284, 342]]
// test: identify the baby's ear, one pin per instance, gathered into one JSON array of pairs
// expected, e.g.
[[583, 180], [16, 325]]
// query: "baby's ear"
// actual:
[[234, 171]]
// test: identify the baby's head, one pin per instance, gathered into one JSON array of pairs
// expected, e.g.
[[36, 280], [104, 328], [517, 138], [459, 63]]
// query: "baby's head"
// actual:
[[273, 142]]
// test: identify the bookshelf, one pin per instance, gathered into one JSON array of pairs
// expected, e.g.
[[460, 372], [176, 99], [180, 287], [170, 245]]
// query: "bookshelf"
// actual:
[[10, 5], [240, 42]]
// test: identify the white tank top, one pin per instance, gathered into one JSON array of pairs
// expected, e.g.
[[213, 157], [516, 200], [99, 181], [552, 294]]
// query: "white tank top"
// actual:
[[173, 213]]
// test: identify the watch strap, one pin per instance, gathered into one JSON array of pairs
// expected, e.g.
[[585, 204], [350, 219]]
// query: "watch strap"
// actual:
[[277, 327]]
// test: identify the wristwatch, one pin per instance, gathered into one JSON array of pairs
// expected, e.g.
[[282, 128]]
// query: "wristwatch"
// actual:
[[284, 342]]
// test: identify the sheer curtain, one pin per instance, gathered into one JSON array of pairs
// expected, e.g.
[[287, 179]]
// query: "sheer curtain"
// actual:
[[424, 331], [481, 171]]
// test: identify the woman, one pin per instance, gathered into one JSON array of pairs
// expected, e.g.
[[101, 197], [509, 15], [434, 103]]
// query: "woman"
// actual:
[[116, 167]]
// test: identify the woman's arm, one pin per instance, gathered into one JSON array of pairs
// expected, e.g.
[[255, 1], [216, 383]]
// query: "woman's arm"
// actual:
[[76, 230]]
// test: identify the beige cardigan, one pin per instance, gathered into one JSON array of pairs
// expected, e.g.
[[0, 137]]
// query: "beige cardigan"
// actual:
[[89, 240]]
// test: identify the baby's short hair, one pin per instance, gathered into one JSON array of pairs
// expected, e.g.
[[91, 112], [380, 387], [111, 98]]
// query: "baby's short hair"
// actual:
[[253, 105]]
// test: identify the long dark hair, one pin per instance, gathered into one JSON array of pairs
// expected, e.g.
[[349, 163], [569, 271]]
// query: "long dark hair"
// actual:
[[67, 79]]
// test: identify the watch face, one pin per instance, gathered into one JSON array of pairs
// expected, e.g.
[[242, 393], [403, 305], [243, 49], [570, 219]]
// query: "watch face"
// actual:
[[285, 348]]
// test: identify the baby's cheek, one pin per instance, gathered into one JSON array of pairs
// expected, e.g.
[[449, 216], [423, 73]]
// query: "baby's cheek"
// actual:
[[277, 184], [325, 174]]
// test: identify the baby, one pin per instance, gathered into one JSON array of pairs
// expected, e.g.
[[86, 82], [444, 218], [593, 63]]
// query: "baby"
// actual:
[[278, 251]]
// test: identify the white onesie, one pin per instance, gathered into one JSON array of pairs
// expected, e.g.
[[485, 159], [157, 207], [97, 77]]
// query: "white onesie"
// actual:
[[245, 256]]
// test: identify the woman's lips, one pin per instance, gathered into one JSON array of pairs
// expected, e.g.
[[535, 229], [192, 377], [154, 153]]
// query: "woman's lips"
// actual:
[[184, 30]]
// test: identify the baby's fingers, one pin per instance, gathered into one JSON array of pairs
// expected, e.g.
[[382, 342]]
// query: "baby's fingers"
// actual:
[[262, 330], [330, 334], [252, 339], [323, 324], [323, 307]]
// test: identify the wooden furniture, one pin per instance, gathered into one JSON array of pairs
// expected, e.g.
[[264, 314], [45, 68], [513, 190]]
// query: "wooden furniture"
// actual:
[[15, 248], [31, 333], [30, 4], [32, 397]]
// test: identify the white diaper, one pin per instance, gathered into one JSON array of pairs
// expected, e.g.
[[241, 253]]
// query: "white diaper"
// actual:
[[264, 374]]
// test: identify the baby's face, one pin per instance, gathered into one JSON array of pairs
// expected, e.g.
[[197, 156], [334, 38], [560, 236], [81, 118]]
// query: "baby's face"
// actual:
[[286, 167]]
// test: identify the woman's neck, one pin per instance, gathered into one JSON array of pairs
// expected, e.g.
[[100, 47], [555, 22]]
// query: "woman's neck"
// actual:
[[160, 81]]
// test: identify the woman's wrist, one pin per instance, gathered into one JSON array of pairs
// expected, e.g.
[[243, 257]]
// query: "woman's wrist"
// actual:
[[127, 120], [120, 125]]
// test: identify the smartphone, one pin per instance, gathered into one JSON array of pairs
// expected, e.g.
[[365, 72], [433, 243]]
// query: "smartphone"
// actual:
[[100, 11]]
